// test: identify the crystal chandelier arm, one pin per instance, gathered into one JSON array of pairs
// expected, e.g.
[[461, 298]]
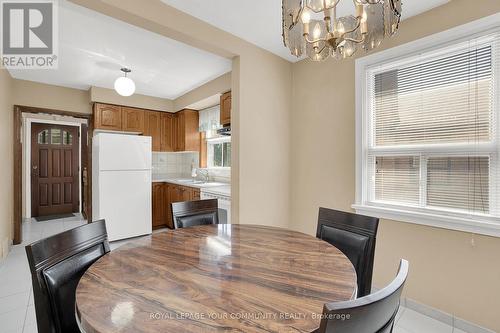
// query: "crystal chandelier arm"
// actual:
[[357, 41], [306, 38]]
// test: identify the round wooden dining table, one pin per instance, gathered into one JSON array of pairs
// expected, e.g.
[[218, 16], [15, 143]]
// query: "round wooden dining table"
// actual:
[[234, 278]]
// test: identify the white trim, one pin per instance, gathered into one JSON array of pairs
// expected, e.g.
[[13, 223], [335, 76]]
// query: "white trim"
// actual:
[[480, 227], [460, 222], [28, 119]]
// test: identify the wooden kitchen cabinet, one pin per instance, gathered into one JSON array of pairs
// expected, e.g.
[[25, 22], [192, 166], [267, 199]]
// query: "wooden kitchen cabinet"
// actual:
[[168, 133], [177, 193], [152, 128], [159, 208], [132, 120], [186, 132], [225, 109], [107, 117]]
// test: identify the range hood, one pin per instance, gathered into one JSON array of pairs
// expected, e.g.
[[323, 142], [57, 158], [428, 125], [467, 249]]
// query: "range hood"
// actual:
[[226, 131]]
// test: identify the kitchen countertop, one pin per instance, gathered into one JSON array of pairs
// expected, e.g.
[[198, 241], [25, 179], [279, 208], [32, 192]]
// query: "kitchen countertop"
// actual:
[[209, 187]]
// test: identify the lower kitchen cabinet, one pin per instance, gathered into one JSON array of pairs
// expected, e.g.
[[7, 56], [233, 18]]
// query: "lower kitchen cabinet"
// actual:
[[168, 194], [159, 209]]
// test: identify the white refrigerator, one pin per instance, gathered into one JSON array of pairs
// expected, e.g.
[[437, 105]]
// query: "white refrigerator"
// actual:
[[121, 184]]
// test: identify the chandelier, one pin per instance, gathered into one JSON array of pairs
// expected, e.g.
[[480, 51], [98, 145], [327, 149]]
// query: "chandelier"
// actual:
[[313, 27]]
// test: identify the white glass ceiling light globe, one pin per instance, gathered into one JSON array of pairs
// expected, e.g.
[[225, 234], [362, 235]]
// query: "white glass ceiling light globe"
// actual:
[[123, 85]]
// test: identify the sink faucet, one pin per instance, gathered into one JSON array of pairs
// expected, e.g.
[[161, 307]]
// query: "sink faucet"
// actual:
[[205, 174]]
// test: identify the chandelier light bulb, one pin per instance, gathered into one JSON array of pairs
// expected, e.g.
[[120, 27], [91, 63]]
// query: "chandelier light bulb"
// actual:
[[317, 31], [306, 16], [124, 86]]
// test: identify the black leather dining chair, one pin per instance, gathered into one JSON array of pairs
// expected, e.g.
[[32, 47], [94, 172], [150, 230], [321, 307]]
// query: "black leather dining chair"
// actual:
[[57, 263], [192, 213], [374, 313], [355, 236]]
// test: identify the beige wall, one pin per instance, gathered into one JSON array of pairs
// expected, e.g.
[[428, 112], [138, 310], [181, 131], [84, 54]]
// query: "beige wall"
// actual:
[[216, 86], [7, 163], [28, 93], [105, 95], [261, 107], [446, 270]]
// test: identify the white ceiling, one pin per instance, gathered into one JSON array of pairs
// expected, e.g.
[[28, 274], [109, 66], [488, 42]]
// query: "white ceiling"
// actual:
[[93, 47], [259, 21]]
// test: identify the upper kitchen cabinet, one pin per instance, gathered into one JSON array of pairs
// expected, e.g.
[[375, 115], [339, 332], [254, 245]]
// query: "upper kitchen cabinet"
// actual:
[[152, 128], [186, 131], [108, 117], [168, 132], [132, 120], [225, 108]]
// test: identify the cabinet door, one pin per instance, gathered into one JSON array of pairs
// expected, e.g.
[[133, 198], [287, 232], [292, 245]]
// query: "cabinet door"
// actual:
[[180, 121], [174, 193], [186, 193], [107, 117], [159, 217], [191, 131], [167, 132], [168, 196], [195, 194], [132, 120], [187, 133], [152, 128], [225, 108]]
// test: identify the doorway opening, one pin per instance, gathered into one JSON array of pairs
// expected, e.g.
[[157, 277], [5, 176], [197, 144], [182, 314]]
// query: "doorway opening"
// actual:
[[52, 166]]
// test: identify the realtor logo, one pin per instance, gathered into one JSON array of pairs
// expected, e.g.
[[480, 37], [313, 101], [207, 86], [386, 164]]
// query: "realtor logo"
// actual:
[[29, 34]]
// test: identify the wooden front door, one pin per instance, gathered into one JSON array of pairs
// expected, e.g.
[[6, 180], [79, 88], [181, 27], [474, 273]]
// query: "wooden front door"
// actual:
[[54, 169]]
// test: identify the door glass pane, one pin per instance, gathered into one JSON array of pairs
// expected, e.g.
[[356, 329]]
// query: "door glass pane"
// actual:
[[227, 154], [55, 135], [43, 137], [67, 138], [218, 155]]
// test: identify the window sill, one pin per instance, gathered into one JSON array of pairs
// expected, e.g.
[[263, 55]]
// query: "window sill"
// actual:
[[464, 224]]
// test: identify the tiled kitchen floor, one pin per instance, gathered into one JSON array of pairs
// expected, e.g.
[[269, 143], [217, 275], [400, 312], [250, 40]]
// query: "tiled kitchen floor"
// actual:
[[17, 312]]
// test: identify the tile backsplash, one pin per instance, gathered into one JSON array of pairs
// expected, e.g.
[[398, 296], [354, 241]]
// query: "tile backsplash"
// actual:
[[175, 163]]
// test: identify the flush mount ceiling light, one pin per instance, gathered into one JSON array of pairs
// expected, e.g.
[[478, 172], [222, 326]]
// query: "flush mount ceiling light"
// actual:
[[312, 26], [124, 85]]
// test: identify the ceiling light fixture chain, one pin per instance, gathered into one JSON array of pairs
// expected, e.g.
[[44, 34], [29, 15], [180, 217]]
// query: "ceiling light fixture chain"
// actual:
[[312, 27]]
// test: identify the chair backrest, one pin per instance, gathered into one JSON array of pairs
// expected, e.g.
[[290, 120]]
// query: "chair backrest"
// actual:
[[374, 313], [192, 213], [355, 236], [57, 263]]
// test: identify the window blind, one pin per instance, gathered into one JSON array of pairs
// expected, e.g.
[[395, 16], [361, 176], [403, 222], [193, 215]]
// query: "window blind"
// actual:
[[433, 130], [445, 100]]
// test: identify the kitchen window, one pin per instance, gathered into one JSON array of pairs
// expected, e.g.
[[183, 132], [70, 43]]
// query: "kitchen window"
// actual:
[[428, 132], [219, 153]]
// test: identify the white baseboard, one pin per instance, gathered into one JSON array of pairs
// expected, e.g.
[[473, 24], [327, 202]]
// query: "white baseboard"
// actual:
[[441, 316]]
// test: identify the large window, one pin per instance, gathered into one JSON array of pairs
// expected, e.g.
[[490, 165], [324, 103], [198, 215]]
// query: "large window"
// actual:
[[430, 134]]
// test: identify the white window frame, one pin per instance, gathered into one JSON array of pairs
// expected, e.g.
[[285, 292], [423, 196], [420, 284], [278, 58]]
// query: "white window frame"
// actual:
[[214, 141], [486, 225]]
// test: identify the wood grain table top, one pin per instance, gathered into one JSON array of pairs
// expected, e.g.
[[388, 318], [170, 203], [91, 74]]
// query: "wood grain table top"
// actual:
[[232, 278]]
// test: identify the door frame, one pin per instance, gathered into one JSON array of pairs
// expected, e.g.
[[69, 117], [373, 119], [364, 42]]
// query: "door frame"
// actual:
[[29, 121], [18, 154]]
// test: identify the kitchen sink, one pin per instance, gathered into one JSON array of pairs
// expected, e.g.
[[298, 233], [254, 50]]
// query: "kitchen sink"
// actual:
[[200, 183]]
